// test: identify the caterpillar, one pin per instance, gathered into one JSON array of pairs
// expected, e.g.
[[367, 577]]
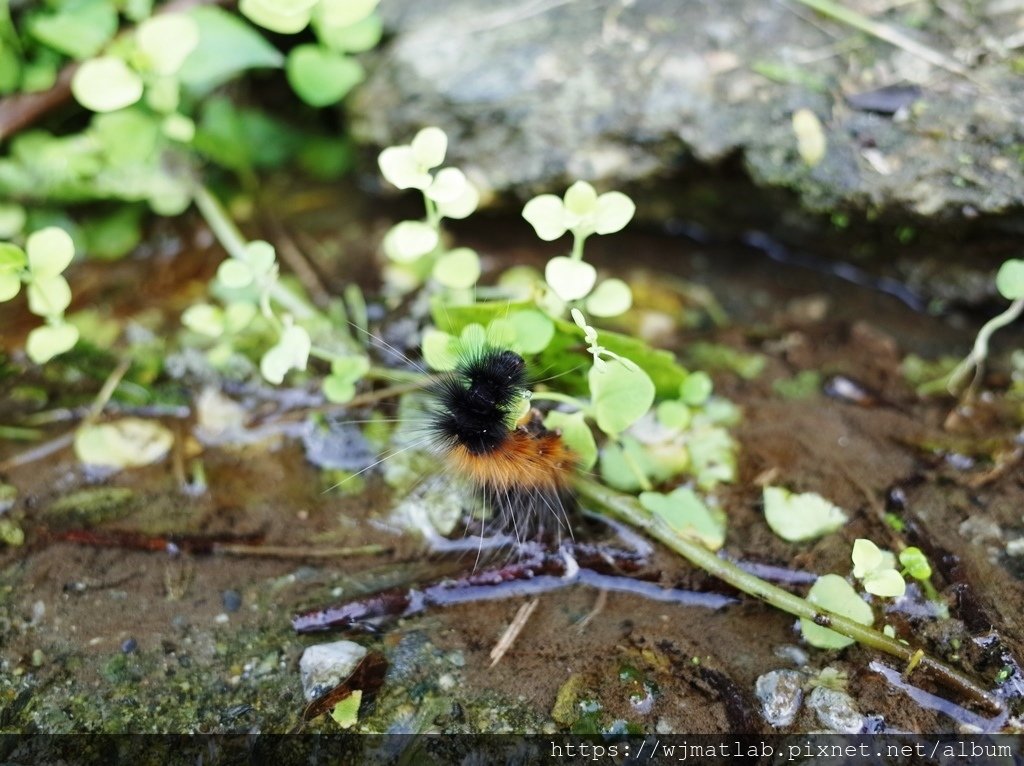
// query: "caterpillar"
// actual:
[[523, 470]]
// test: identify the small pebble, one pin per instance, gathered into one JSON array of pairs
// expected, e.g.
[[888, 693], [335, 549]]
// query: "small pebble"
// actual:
[[222, 619], [38, 658], [232, 600], [129, 645], [835, 711], [780, 693], [324, 666]]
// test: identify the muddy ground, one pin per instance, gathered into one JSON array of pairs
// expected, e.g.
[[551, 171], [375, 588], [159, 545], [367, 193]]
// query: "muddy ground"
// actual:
[[106, 638]]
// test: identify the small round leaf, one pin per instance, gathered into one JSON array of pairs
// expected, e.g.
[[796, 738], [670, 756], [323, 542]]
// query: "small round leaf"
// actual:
[[204, 319], [321, 76], [696, 388], [611, 298], [546, 214], [167, 40], [833, 593], [49, 296], [10, 285], [580, 199], [50, 250], [458, 269], [429, 147], [399, 166], [235, 274], [46, 342], [283, 16], [612, 212], [106, 84], [1010, 279], [448, 185], [409, 240], [463, 205], [576, 434], [570, 279], [620, 396]]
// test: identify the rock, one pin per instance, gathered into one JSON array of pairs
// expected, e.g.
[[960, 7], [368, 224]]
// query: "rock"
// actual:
[[533, 95], [835, 711], [780, 693], [324, 666]]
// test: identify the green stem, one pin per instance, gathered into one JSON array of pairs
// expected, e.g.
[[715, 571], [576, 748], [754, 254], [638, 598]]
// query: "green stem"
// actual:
[[976, 359], [555, 396], [234, 243], [628, 510], [577, 247], [397, 376]]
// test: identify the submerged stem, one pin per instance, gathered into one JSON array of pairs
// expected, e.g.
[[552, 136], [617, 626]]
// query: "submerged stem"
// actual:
[[979, 353], [627, 509]]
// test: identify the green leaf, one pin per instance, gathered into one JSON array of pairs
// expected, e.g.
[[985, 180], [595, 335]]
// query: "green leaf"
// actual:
[[408, 241], [290, 353], [801, 517], [1010, 279], [580, 200], [204, 319], [625, 465], [167, 40], [400, 168], [866, 556], [620, 396], [448, 185], [346, 712], [611, 298], [321, 76], [10, 282], [261, 257], [351, 38], [887, 583], [125, 443], [546, 213], [12, 258], [429, 147], [696, 389], [46, 342], [534, 330], [687, 515], [48, 296], [283, 16], [915, 562], [234, 274], [612, 212], [340, 386], [673, 414], [439, 350], [458, 269], [570, 279], [576, 434], [12, 219], [227, 46], [345, 13], [833, 593], [810, 136], [50, 251], [128, 136], [114, 235], [80, 28], [106, 84]]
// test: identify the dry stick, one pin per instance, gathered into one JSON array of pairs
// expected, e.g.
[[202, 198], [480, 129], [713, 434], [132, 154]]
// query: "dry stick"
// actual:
[[885, 32], [627, 509], [298, 552]]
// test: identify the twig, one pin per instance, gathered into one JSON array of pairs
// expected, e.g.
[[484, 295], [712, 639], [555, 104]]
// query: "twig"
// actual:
[[885, 32], [512, 631], [298, 552], [297, 261], [979, 353], [628, 510]]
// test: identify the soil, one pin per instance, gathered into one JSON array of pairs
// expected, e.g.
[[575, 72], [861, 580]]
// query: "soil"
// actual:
[[107, 638]]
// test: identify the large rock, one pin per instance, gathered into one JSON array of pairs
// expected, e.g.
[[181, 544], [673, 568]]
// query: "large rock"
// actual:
[[536, 93]]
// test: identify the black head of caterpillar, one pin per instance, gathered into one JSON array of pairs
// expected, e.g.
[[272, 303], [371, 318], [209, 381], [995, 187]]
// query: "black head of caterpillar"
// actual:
[[523, 470]]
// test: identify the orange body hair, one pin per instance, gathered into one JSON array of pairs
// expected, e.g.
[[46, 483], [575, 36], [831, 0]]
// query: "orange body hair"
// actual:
[[524, 462]]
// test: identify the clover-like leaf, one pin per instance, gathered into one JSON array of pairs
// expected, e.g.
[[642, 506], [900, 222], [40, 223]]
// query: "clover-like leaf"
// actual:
[[48, 296], [620, 396], [448, 184], [204, 319], [546, 213], [290, 353], [106, 84], [576, 434], [876, 569], [12, 219], [167, 40], [260, 256], [612, 212], [343, 13], [800, 517], [833, 593], [611, 298], [125, 443], [50, 251], [1010, 279], [340, 386], [408, 241], [461, 206], [687, 515], [696, 389], [238, 316], [887, 583], [570, 279], [321, 76], [673, 414], [235, 274], [580, 202], [429, 147], [458, 268], [440, 350], [398, 164], [46, 342], [13, 262], [283, 16], [866, 556], [915, 562], [534, 330]]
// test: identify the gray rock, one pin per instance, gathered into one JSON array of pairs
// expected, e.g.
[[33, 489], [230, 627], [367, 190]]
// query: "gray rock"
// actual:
[[324, 666], [780, 693], [536, 93], [835, 710]]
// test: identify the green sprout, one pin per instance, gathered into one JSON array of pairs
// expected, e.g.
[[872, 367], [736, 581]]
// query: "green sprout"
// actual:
[[876, 569], [1010, 284], [40, 267]]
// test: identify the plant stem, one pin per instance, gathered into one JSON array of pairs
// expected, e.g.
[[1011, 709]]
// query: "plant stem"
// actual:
[[628, 510], [234, 243], [577, 246], [555, 396], [976, 359]]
